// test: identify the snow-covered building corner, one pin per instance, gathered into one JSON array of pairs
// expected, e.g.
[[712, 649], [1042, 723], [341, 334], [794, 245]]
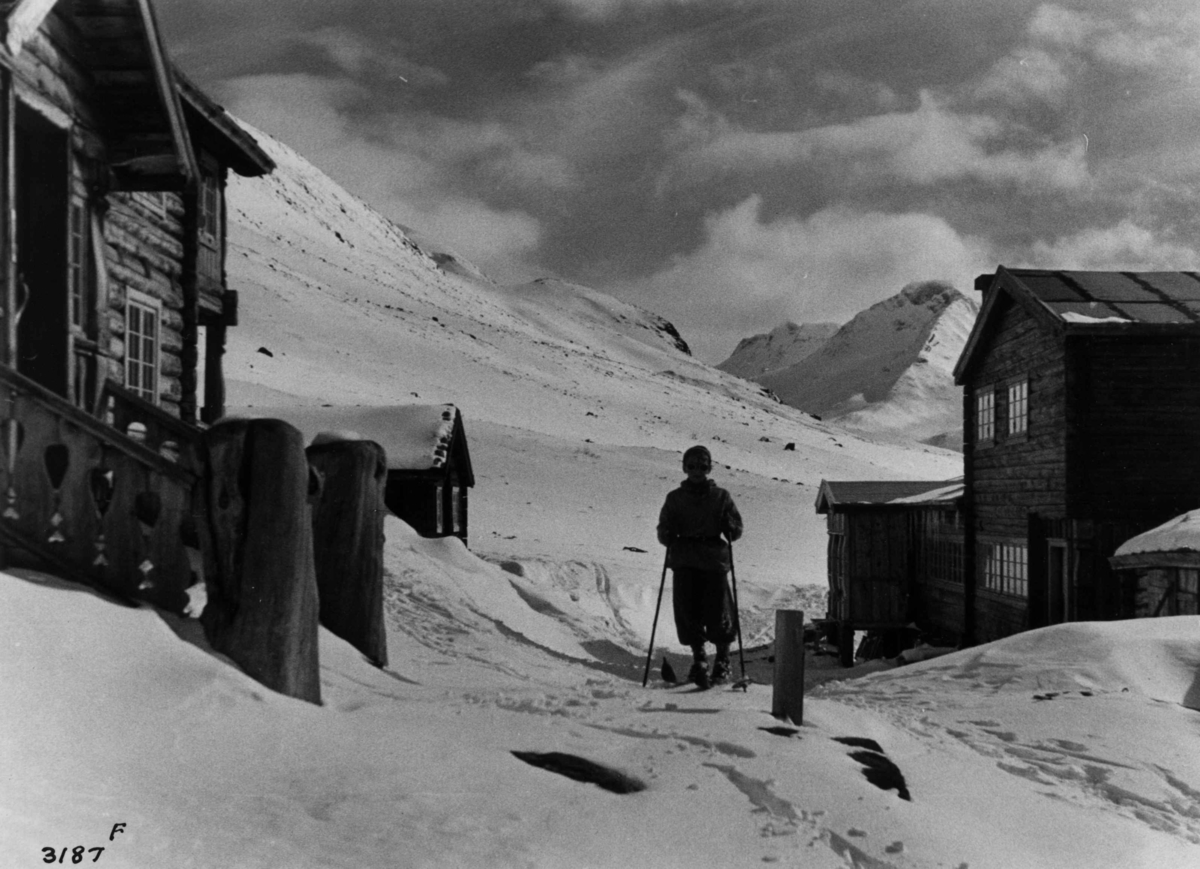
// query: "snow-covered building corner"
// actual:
[[1161, 567]]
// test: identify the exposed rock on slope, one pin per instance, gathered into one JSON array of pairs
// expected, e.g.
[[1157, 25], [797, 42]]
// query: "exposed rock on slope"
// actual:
[[889, 370], [780, 348]]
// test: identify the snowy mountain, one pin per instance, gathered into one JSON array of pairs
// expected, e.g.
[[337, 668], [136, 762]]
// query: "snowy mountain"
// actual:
[[780, 348], [889, 370]]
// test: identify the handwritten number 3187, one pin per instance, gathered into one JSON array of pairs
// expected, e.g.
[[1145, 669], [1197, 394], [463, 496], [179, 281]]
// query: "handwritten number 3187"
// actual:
[[52, 856]]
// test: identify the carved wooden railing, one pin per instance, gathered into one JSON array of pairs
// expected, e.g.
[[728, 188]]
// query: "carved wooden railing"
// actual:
[[146, 423], [83, 500]]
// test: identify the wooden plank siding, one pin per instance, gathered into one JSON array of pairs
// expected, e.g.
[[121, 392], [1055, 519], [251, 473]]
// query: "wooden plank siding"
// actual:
[[877, 561], [1013, 475]]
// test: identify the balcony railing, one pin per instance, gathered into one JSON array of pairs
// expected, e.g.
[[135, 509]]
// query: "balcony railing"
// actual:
[[81, 498]]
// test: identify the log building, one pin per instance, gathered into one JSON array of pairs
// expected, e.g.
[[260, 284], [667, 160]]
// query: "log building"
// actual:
[[429, 469], [112, 171], [1081, 415], [1081, 396], [894, 558]]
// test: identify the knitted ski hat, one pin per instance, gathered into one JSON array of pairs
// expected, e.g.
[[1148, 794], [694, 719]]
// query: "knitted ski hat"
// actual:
[[697, 450]]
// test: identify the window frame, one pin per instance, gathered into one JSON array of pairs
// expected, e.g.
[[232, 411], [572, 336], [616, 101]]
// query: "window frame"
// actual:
[[1023, 402], [144, 304], [981, 393], [1004, 568]]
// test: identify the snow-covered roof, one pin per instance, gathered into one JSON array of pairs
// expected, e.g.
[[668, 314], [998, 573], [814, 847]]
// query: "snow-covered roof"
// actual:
[[415, 437], [1181, 534], [887, 492], [418, 436], [943, 494]]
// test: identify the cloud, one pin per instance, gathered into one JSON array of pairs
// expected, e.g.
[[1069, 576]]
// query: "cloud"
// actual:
[[359, 58], [1132, 38], [1123, 247], [602, 10], [411, 180], [1027, 74], [927, 145], [750, 275]]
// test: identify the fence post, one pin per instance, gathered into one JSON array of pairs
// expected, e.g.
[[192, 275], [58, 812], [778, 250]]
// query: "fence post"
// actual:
[[787, 699], [348, 542], [255, 529]]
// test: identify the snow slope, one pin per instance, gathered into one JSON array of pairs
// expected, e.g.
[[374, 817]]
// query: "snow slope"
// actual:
[[889, 371], [577, 406]]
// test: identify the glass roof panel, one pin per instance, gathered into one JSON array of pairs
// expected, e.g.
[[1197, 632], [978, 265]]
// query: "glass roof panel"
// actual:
[[1050, 288], [1112, 287], [1155, 312], [1177, 285]]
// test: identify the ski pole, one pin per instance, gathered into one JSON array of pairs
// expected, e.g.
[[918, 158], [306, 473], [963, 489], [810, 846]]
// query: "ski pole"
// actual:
[[737, 618], [654, 625]]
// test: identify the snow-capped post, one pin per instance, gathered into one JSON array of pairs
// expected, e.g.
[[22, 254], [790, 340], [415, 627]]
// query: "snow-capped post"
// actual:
[[787, 698], [348, 541], [255, 529]]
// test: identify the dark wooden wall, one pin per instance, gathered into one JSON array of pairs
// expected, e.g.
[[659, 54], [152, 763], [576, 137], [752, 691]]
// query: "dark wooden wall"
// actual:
[[878, 558], [1138, 406]]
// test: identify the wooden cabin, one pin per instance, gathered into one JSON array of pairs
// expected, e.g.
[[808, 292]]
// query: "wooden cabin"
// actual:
[[1082, 411], [113, 169], [894, 557], [1161, 568], [429, 469]]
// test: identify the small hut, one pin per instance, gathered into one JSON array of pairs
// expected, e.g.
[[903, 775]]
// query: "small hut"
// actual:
[[895, 549], [1160, 568], [429, 469]]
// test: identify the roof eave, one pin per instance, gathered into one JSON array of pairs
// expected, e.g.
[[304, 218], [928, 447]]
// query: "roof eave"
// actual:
[[1004, 281], [239, 150]]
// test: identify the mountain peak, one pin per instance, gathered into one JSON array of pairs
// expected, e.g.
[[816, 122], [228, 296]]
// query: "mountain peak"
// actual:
[[935, 295], [888, 370], [780, 348]]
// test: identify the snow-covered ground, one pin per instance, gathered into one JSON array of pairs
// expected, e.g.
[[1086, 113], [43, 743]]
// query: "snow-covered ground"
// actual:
[[1071, 746]]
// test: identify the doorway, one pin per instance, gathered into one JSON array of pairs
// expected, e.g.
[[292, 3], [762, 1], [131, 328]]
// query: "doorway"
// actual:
[[42, 176], [1058, 583]]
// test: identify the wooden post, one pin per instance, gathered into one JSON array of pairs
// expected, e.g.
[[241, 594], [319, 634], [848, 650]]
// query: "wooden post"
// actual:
[[348, 542], [255, 527], [787, 699]]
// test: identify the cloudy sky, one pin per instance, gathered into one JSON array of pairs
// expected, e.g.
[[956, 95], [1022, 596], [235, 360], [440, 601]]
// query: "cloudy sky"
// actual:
[[732, 164]]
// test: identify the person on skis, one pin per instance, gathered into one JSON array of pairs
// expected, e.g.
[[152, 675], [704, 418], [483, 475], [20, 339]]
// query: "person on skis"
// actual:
[[691, 524]]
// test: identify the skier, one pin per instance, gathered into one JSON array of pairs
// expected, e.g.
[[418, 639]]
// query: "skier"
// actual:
[[690, 525]]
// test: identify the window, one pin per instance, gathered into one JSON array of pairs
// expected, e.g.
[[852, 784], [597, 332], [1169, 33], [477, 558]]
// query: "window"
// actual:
[[985, 415], [209, 253], [141, 346], [940, 547], [1006, 568], [456, 523], [77, 260], [1018, 408]]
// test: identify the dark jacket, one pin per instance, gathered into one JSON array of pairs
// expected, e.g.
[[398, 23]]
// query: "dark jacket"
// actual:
[[691, 523]]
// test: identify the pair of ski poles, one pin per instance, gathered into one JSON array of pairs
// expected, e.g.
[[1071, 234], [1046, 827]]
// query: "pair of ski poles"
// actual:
[[737, 617]]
